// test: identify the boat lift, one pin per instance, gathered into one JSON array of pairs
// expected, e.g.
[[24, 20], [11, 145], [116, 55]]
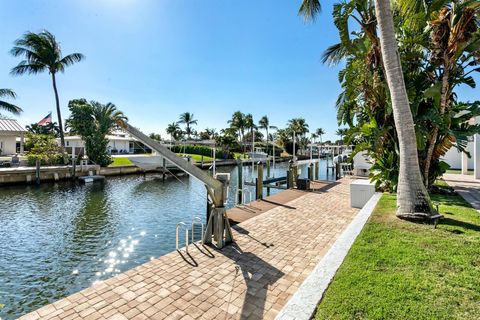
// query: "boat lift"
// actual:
[[218, 227]]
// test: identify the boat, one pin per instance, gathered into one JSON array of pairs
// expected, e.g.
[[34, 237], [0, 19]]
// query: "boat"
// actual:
[[258, 155]]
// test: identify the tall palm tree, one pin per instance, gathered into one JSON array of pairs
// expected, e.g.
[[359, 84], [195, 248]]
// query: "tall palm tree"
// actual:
[[238, 123], [250, 124], [172, 129], [413, 200], [6, 105], [320, 132], [188, 120], [298, 127], [264, 123], [43, 53], [341, 132]]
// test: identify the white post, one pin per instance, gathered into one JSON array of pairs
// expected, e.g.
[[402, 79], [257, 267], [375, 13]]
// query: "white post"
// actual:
[[464, 163], [214, 157], [294, 153], [273, 158], [22, 143], [476, 156], [253, 160]]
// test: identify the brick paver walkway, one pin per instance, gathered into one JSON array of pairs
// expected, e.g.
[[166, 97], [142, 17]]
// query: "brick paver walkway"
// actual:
[[466, 186], [274, 253]]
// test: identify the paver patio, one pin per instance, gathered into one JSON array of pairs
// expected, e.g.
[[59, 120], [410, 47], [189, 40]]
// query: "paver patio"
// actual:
[[274, 253], [466, 186]]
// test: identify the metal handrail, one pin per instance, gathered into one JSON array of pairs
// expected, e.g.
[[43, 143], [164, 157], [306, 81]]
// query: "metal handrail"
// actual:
[[197, 218], [181, 224]]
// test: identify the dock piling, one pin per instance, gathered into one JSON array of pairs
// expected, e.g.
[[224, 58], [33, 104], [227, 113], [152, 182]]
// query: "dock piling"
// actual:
[[259, 184], [37, 171], [240, 181]]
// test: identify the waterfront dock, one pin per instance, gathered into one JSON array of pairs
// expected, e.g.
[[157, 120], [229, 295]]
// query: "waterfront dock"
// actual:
[[253, 279]]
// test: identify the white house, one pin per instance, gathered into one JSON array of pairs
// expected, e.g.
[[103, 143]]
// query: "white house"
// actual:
[[460, 160], [118, 143], [10, 132]]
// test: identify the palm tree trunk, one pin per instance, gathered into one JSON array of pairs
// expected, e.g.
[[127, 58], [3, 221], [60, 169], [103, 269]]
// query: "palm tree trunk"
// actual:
[[59, 115], [413, 200]]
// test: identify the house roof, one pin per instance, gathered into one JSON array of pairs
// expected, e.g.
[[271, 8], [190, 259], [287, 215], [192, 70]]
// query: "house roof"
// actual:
[[10, 126]]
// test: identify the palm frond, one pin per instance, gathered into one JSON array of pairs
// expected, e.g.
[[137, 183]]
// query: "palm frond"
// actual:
[[10, 107], [8, 93], [24, 67], [71, 59], [334, 54], [309, 9]]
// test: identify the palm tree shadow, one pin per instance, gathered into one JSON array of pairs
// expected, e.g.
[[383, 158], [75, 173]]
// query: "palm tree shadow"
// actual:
[[258, 276], [461, 224], [247, 233]]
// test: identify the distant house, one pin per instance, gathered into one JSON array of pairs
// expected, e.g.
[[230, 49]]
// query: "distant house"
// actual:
[[11, 137], [119, 143]]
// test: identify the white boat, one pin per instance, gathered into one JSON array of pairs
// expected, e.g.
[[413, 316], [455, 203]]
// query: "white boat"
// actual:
[[258, 155], [151, 162]]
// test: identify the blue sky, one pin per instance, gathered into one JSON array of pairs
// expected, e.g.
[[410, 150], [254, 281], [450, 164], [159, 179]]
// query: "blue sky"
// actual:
[[156, 59]]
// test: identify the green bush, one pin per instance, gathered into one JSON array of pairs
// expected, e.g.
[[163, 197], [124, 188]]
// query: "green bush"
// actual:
[[45, 159], [43, 147], [202, 150]]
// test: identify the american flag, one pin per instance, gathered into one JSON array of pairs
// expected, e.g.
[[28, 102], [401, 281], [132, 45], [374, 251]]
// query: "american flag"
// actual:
[[46, 120]]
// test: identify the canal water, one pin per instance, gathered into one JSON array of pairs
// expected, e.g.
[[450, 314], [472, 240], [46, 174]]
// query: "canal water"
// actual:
[[56, 239]]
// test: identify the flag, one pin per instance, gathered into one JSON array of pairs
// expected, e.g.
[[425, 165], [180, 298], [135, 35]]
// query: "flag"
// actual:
[[46, 120]]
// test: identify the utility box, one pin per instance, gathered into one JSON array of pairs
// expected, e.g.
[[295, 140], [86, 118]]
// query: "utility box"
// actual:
[[360, 192], [303, 184]]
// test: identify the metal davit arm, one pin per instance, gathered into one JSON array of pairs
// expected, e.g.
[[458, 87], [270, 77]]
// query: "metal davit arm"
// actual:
[[214, 187], [218, 225]]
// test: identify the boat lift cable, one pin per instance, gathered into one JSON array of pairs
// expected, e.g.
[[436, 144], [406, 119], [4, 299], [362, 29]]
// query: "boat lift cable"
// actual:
[[186, 185]]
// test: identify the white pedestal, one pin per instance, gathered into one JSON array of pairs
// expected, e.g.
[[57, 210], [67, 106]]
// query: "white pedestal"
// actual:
[[360, 192]]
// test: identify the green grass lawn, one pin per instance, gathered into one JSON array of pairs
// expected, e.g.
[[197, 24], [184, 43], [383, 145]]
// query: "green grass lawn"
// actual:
[[459, 171], [123, 161], [196, 157], [401, 270], [120, 161]]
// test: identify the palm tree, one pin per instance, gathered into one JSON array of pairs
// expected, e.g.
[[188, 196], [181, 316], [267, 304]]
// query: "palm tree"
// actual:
[[320, 132], [238, 123], [341, 132], [211, 132], [172, 129], [187, 119], [8, 106], [413, 200], [264, 123], [299, 127], [250, 124], [43, 53], [106, 117]]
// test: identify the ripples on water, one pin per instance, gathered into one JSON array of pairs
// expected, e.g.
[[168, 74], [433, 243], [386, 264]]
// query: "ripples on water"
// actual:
[[56, 239]]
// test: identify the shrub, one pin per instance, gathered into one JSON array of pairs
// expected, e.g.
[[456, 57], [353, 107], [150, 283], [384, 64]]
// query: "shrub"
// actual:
[[43, 147], [202, 150]]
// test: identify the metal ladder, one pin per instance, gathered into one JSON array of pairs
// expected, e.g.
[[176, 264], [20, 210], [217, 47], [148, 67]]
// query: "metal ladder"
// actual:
[[184, 225], [197, 220]]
